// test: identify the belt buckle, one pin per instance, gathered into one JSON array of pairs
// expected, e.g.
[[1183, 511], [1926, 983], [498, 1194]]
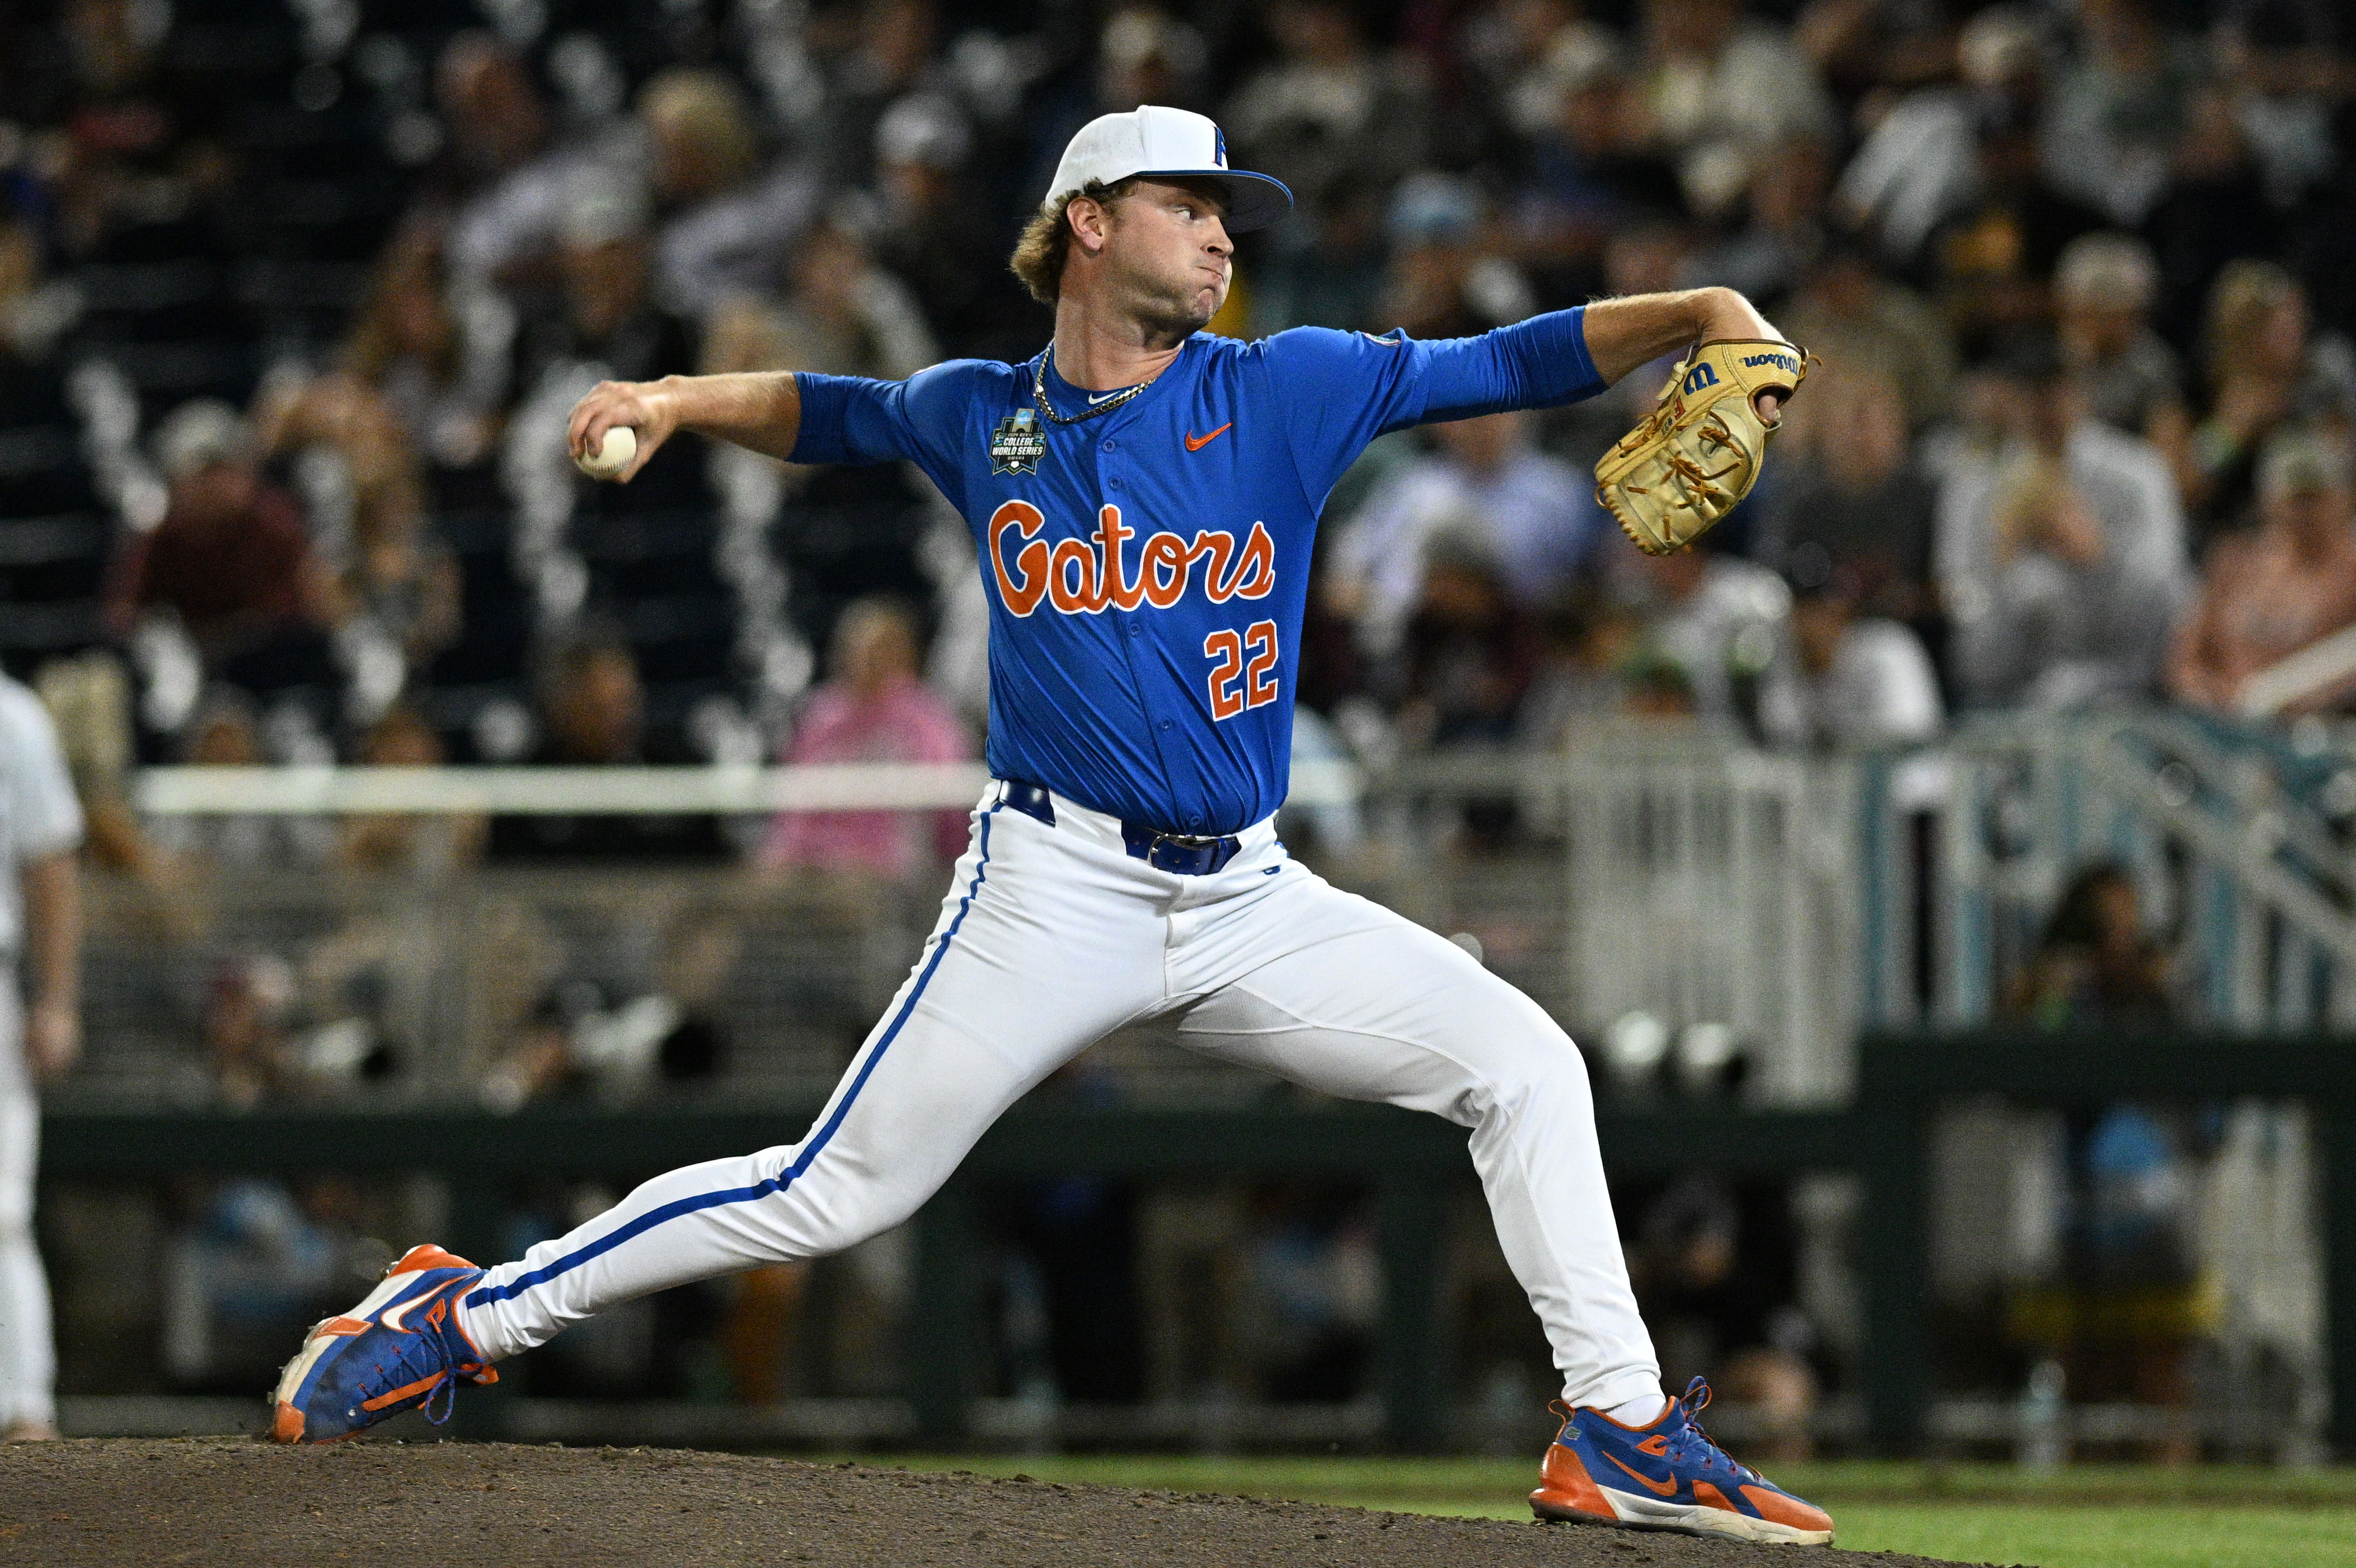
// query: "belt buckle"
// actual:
[[1187, 854]]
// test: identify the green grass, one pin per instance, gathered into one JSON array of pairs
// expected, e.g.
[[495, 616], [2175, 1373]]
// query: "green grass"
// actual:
[[2160, 1535], [2090, 1517]]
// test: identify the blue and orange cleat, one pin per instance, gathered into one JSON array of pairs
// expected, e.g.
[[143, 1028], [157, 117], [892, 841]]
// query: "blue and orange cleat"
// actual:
[[1667, 1476], [398, 1349]]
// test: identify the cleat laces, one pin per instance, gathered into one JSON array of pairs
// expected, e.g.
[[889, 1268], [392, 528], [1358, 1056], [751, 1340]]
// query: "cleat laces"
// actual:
[[1696, 1446], [431, 1354], [447, 1391]]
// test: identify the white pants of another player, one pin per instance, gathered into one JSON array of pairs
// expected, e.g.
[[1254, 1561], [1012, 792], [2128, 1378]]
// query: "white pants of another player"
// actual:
[[28, 1355], [1050, 939]]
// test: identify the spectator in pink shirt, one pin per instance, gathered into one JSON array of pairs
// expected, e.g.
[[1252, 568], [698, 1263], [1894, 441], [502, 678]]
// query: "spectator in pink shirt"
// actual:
[[2273, 590], [874, 709]]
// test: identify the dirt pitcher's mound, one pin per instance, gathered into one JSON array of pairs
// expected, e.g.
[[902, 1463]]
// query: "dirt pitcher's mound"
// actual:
[[235, 1502]]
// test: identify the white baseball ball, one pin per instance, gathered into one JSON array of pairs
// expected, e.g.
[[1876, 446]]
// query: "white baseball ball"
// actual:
[[612, 454]]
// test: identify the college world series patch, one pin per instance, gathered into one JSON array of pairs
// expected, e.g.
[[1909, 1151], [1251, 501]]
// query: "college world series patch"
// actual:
[[1019, 444]]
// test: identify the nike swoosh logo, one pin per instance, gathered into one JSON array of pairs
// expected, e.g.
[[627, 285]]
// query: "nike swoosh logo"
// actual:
[[1095, 398], [1659, 1488], [1196, 443], [391, 1316]]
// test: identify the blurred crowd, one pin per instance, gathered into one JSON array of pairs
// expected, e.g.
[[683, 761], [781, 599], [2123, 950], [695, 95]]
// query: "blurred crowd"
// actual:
[[295, 299]]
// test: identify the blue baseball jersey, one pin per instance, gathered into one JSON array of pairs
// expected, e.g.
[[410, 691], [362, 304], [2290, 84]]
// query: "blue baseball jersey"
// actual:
[[1147, 569]]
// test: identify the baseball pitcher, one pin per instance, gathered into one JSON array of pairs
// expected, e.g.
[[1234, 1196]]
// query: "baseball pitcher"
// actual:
[[1143, 498]]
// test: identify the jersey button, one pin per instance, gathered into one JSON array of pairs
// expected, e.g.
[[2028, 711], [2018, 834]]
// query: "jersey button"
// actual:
[[1135, 628], [1165, 724], [1108, 445], [1113, 483]]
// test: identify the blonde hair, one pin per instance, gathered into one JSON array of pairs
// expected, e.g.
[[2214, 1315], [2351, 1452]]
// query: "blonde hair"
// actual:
[[2246, 293], [709, 114], [1046, 242], [2115, 269]]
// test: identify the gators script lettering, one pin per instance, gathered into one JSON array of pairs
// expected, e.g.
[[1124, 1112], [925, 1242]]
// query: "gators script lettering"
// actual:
[[1087, 576]]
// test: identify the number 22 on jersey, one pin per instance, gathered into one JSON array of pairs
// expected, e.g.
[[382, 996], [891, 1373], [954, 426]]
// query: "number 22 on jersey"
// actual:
[[1236, 681]]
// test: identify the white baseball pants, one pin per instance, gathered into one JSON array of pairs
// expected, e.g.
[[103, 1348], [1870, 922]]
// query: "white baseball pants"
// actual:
[[28, 1355], [1050, 939]]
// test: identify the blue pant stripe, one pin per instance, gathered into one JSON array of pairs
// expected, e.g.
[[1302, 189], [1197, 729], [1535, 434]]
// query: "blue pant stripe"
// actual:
[[778, 1183]]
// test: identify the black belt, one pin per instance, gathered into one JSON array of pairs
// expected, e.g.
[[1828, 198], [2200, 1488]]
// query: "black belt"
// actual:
[[1184, 854]]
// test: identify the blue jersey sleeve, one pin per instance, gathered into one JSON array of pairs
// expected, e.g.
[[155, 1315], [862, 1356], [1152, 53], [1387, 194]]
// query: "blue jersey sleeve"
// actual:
[[850, 419], [1341, 390], [1539, 363]]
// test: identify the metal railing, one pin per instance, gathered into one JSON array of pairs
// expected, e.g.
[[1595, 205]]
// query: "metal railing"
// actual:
[[1669, 871], [2222, 847]]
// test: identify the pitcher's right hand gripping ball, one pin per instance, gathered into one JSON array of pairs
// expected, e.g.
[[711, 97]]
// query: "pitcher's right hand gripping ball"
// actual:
[[616, 428], [1701, 448]]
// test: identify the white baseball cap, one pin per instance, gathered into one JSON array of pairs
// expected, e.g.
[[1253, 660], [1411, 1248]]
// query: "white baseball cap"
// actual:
[[1166, 143]]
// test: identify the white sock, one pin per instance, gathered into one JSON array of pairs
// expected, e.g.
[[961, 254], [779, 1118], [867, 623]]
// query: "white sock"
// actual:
[[1641, 1411]]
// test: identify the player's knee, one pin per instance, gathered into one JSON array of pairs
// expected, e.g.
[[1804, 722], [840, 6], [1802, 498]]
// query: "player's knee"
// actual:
[[1567, 1070], [834, 1209], [1543, 1068], [839, 1232]]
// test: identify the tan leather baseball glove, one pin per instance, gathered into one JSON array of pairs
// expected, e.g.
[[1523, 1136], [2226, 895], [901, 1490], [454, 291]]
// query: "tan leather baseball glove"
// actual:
[[1701, 448]]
